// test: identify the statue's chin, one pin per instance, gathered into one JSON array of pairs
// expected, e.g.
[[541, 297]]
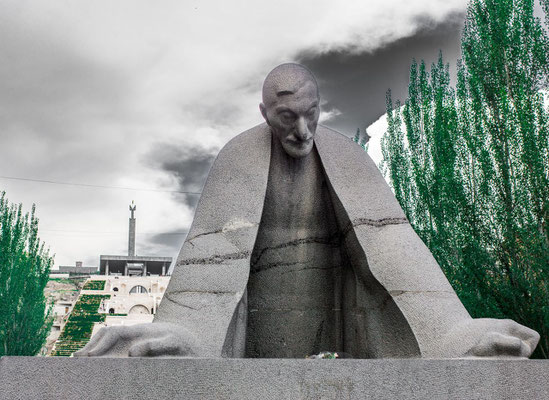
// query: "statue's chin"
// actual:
[[298, 150]]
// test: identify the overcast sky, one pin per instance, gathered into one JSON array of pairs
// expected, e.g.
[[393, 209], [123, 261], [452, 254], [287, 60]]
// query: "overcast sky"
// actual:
[[143, 94]]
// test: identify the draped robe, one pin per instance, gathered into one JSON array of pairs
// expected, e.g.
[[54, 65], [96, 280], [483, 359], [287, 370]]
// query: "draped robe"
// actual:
[[391, 297]]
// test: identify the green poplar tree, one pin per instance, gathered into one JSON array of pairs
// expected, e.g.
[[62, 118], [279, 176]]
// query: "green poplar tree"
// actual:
[[356, 138], [25, 317], [472, 169]]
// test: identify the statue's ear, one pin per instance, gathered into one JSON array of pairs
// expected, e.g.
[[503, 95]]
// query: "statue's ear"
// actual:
[[263, 110]]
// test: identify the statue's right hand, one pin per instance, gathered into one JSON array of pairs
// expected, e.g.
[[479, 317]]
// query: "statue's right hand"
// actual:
[[143, 340]]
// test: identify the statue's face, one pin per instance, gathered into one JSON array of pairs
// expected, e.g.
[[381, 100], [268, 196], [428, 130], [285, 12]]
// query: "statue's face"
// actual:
[[293, 117]]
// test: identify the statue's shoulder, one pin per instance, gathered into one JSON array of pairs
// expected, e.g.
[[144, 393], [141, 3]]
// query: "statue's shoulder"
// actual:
[[338, 151], [327, 137], [245, 149], [257, 137]]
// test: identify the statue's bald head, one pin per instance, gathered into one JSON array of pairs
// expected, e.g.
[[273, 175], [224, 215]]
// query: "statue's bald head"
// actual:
[[286, 79], [291, 107]]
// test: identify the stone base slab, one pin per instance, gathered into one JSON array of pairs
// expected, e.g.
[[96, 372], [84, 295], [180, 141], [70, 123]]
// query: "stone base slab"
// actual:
[[176, 378]]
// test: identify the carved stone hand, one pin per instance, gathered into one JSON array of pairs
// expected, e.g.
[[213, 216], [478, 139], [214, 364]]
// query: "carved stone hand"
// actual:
[[143, 340], [487, 337]]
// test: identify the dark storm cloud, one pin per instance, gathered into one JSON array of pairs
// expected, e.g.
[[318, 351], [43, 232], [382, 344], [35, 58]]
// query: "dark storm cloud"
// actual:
[[172, 239], [188, 164], [355, 84], [86, 89], [164, 244]]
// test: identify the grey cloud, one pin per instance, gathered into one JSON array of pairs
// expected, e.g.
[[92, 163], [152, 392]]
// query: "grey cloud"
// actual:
[[65, 114], [47, 85], [189, 165], [355, 84], [157, 248], [213, 113], [54, 102], [164, 244]]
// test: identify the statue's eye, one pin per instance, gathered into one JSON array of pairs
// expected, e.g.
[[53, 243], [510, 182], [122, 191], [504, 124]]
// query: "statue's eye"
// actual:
[[311, 113], [287, 117]]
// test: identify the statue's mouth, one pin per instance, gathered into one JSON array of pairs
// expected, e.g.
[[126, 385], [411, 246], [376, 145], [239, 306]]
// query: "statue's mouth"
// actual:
[[299, 143]]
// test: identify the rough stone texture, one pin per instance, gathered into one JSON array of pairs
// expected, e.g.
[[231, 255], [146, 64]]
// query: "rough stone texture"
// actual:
[[302, 244], [209, 281], [294, 287], [31, 378], [395, 301], [401, 304]]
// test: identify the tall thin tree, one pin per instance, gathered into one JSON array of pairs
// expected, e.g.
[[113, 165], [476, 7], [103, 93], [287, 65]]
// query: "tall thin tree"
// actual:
[[25, 317], [472, 170]]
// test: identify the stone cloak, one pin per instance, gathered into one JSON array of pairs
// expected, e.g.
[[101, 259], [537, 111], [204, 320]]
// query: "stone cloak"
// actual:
[[397, 301]]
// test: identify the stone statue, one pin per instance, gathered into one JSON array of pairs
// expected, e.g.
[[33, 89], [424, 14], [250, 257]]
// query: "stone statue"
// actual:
[[298, 246], [133, 207]]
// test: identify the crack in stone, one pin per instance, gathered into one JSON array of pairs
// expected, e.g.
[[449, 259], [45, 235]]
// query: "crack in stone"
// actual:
[[254, 269], [216, 292], [167, 296], [223, 230], [266, 267], [306, 268], [396, 293], [204, 234], [292, 310], [332, 240], [215, 259], [378, 223]]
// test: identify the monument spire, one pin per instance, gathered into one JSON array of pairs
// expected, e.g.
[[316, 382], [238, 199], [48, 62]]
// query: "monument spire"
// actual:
[[131, 238]]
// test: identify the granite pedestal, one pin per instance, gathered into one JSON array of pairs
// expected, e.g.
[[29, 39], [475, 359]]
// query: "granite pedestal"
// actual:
[[147, 378]]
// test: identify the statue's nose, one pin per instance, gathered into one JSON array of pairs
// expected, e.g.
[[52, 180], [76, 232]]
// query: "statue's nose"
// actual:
[[302, 130]]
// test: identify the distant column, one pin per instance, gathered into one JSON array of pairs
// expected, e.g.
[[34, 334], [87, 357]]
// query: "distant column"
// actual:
[[126, 270], [163, 269], [131, 236], [106, 268], [145, 268]]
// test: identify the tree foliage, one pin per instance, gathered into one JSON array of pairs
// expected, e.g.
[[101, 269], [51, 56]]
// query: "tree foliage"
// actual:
[[361, 140], [25, 317], [471, 169]]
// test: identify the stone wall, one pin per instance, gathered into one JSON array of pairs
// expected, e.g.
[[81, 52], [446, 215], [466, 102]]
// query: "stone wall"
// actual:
[[146, 378]]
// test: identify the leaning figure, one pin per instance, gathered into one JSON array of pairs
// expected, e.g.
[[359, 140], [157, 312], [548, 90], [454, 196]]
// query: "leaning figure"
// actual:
[[298, 246]]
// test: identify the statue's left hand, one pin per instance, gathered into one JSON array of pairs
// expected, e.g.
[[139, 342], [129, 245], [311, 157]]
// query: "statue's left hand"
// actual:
[[143, 340], [487, 337]]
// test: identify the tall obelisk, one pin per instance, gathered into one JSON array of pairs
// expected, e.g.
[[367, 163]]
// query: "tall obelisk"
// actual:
[[131, 238]]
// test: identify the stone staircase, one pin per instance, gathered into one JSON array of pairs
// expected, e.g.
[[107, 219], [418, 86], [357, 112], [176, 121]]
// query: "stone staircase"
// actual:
[[78, 329]]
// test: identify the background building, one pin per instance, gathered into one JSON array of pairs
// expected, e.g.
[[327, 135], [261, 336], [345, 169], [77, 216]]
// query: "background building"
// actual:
[[127, 291]]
